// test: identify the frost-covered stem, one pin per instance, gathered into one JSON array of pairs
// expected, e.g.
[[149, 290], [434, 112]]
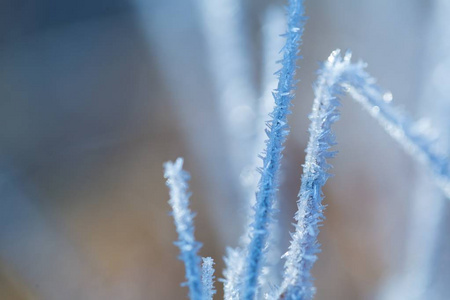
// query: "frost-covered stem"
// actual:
[[424, 264], [408, 133], [336, 76], [273, 24], [297, 281], [208, 278], [272, 42], [276, 132], [227, 46], [179, 200]]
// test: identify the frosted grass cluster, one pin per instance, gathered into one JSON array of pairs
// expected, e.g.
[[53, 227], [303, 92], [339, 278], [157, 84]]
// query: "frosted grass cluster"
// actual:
[[338, 75]]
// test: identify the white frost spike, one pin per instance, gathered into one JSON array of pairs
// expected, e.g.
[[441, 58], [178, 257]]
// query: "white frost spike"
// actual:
[[208, 278], [234, 262]]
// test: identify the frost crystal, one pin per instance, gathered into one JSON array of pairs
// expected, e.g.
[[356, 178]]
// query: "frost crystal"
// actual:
[[300, 258], [414, 137], [244, 278], [274, 23], [276, 132], [336, 76], [208, 278], [179, 200]]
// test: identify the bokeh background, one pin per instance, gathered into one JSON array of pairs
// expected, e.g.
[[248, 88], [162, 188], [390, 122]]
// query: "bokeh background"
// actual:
[[95, 95]]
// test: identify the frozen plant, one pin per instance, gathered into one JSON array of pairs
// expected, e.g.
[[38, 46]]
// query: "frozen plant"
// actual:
[[179, 200], [208, 278], [297, 282], [338, 75], [277, 130]]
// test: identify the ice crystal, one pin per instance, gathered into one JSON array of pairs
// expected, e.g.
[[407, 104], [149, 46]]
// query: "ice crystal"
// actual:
[[179, 201], [339, 75], [297, 282], [276, 132], [245, 265], [208, 278], [274, 23]]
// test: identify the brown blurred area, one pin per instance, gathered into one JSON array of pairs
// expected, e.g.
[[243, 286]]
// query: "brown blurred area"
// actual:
[[86, 127]]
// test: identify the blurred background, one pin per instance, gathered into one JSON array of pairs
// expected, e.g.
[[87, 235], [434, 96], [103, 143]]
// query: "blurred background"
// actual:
[[95, 95]]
